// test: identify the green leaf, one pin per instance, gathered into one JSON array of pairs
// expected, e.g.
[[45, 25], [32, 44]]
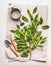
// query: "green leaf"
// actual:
[[24, 54], [41, 20], [17, 37], [21, 43], [30, 15], [43, 40], [19, 50], [24, 19], [45, 27], [35, 10], [36, 16], [37, 34], [21, 46], [13, 31], [40, 45], [27, 44], [18, 27], [35, 44], [39, 38]]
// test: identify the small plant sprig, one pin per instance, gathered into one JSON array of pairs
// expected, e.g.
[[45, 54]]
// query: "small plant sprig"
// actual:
[[29, 37]]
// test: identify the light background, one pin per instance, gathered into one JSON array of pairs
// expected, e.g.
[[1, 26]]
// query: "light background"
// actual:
[[3, 22]]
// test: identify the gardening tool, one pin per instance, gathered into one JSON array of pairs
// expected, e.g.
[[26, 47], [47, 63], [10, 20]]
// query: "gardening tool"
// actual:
[[8, 44]]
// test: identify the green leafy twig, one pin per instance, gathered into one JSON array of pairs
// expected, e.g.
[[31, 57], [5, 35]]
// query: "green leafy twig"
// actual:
[[29, 37]]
